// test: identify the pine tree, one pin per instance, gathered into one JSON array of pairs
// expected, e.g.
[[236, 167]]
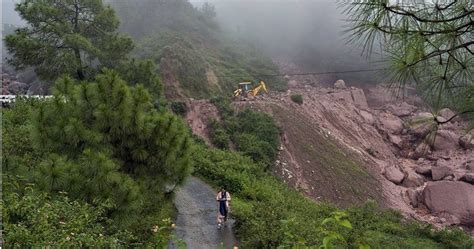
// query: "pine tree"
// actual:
[[428, 43], [107, 143], [73, 37]]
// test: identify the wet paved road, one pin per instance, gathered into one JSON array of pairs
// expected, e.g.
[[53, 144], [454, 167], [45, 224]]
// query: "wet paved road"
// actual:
[[196, 222]]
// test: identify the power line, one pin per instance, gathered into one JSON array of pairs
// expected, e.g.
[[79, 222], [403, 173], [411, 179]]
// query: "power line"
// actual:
[[310, 73]]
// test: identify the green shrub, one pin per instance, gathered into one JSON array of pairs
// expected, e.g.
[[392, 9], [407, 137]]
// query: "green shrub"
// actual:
[[34, 219], [218, 135], [297, 98], [269, 214], [223, 106], [92, 157], [259, 150], [179, 108]]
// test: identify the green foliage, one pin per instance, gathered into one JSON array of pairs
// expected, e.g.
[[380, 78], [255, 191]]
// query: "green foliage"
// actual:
[[224, 107], [270, 215], [177, 15], [142, 72], [34, 219], [297, 98], [179, 108], [255, 134], [78, 154], [67, 37], [108, 135], [193, 55], [218, 135], [426, 42], [18, 152]]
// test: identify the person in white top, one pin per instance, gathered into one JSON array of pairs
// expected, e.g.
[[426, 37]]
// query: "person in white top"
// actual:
[[223, 198]]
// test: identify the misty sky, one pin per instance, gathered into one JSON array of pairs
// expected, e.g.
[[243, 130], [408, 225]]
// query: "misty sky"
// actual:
[[9, 14], [309, 30]]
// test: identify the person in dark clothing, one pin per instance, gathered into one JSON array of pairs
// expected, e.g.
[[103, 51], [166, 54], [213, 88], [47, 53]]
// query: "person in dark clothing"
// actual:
[[223, 198]]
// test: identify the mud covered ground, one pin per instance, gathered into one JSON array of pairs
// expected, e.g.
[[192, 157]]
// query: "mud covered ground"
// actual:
[[196, 221]]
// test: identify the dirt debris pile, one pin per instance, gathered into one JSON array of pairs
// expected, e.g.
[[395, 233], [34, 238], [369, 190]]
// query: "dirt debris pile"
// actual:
[[409, 147], [426, 152], [347, 145]]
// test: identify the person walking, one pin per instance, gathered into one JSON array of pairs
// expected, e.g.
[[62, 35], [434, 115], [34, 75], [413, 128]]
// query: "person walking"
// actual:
[[223, 198]]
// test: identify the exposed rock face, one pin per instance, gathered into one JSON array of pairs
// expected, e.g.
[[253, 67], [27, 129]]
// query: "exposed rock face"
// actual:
[[467, 141], [468, 177], [421, 124], [401, 110], [340, 84], [343, 95], [413, 180], [421, 150], [359, 98], [368, 117], [355, 96], [16, 87], [469, 165], [396, 140], [440, 172], [414, 197], [446, 113], [394, 174], [391, 123], [453, 198], [446, 141], [423, 170]]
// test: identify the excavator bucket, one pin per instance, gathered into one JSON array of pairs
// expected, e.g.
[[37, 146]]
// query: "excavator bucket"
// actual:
[[260, 87]]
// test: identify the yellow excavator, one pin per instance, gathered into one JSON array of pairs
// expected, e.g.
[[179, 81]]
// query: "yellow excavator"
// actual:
[[246, 91]]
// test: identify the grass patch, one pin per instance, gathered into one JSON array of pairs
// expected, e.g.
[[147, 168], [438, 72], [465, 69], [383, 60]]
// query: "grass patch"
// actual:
[[297, 98], [269, 214]]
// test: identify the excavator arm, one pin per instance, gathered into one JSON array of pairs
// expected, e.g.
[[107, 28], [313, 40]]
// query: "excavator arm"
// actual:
[[260, 87]]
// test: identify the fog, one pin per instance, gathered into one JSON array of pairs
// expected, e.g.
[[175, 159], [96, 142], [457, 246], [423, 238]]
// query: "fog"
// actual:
[[310, 32], [9, 15]]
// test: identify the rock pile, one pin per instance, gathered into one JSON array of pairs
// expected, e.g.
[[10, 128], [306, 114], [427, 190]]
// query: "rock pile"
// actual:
[[436, 164], [25, 82]]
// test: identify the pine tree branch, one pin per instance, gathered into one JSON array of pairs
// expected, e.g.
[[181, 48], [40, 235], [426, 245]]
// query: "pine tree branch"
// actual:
[[423, 20], [454, 116]]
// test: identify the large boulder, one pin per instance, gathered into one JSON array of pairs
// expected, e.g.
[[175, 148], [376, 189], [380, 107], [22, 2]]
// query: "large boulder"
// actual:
[[423, 170], [414, 197], [446, 141], [452, 198], [340, 84], [447, 113], [421, 150], [401, 110], [396, 140], [467, 141], [421, 124], [390, 123], [413, 180], [367, 116], [17, 87], [359, 98], [394, 174], [440, 172], [468, 177], [343, 95]]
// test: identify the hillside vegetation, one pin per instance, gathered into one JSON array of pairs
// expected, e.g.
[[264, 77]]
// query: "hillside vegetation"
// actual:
[[97, 164], [194, 57], [271, 215]]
